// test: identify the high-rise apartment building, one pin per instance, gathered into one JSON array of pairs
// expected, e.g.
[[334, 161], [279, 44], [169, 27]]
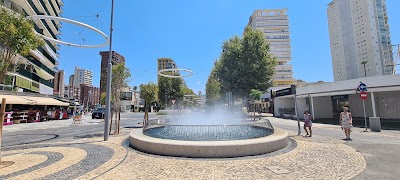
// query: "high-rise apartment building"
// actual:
[[36, 71], [71, 86], [359, 31], [165, 63], [58, 89], [89, 95], [116, 58], [82, 76], [274, 23]]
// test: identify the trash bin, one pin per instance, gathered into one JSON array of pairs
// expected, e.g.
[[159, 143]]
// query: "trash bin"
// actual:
[[375, 124]]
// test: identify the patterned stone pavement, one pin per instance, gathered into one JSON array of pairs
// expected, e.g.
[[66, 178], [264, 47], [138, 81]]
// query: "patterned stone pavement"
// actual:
[[90, 158]]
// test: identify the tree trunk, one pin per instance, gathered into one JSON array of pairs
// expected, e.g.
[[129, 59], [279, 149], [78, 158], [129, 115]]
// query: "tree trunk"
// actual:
[[119, 120], [146, 116], [110, 122], [254, 110], [116, 121]]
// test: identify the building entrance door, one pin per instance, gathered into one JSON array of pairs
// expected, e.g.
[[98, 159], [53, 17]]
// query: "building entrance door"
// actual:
[[338, 102]]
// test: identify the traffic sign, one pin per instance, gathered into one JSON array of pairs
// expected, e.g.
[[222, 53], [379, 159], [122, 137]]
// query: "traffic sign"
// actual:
[[173, 101], [362, 87], [363, 95]]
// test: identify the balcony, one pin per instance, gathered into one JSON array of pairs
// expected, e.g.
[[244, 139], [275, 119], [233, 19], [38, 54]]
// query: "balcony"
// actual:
[[53, 8], [34, 77], [40, 65], [42, 20]]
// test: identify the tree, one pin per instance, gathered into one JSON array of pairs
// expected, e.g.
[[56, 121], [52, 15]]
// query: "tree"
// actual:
[[103, 98], [170, 89], [255, 94], [148, 92], [213, 87], [120, 78], [16, 37], [245, 63]]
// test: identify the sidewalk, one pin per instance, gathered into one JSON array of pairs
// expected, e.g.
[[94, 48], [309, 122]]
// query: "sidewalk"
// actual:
[[289, 122], [86, 120]]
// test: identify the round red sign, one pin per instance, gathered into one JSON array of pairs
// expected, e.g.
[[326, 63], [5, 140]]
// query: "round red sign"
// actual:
[[363, 95]]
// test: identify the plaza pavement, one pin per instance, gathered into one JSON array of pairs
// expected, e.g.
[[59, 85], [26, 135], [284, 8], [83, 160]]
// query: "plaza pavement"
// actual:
[[324, 156]]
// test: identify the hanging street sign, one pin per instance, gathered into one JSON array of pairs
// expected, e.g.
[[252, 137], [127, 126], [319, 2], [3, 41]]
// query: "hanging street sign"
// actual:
[[363, 95], [362, 87]]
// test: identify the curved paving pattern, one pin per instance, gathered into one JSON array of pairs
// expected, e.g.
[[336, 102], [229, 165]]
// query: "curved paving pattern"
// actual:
[[310, 158], [52, 157], [95, 156]]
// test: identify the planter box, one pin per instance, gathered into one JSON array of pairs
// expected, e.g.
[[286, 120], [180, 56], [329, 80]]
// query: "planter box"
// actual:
[[16, 121]]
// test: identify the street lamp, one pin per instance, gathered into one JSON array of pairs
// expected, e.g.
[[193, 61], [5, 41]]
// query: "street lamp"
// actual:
[[107, 114]]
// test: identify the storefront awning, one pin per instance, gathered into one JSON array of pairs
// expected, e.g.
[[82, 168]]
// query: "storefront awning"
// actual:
[[11, 99], [47, 101], [30, 100]]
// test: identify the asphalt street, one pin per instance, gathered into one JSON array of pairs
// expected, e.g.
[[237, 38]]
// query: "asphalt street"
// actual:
[[67, 133]]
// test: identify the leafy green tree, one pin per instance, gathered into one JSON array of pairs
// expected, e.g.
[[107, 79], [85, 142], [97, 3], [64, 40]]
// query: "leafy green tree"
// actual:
[[148, 92], [246, 64], [213, 87], [120, 78], [103, 98], [16, 37], [255, 94], [170, 89]]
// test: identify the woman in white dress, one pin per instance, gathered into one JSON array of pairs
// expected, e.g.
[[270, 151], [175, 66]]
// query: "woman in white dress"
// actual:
[[346, 121]]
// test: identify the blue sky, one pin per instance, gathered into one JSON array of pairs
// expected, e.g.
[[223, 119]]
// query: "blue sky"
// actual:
[[192, 32]]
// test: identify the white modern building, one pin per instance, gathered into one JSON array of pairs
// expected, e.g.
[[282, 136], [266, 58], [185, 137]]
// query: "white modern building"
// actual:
[[326, 100], [82, 76], [359, 32], [36, 70], [274, 23]]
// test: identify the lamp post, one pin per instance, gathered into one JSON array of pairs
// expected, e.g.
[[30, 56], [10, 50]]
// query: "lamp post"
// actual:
[[109, 76], [366, 81]]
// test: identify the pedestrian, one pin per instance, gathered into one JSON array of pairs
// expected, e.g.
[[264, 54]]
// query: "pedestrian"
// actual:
[[307, 123], [346, 121]]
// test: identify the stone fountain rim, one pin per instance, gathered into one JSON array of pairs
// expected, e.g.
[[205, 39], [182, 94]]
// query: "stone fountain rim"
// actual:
[[209, 149]]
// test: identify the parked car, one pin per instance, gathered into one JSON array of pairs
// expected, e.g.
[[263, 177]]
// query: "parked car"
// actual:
[[98, 113]]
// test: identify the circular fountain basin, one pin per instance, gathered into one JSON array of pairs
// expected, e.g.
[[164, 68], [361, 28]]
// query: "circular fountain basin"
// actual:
[[216, 141]]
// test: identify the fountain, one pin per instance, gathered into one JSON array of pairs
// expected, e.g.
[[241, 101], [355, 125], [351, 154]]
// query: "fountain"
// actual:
[[237, 139], [217, 135]]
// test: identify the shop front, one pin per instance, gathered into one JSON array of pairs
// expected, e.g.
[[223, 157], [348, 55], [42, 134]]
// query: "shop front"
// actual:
[[27, 108]]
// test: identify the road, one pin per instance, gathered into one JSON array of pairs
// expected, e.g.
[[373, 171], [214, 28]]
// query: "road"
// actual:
[[66, 133]]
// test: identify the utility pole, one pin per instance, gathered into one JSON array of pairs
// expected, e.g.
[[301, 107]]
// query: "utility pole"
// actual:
[[366, 81], [2, 113], [109, 77]]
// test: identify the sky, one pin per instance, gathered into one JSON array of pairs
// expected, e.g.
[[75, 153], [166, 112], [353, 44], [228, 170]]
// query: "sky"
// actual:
[[192, 33]]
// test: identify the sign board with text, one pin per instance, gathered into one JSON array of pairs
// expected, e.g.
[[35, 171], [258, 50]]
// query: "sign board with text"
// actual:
[[284, 92], [363, 95]]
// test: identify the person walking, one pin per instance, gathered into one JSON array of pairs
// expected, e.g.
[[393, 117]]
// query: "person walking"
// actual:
[[307, 123], [346, 121]]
